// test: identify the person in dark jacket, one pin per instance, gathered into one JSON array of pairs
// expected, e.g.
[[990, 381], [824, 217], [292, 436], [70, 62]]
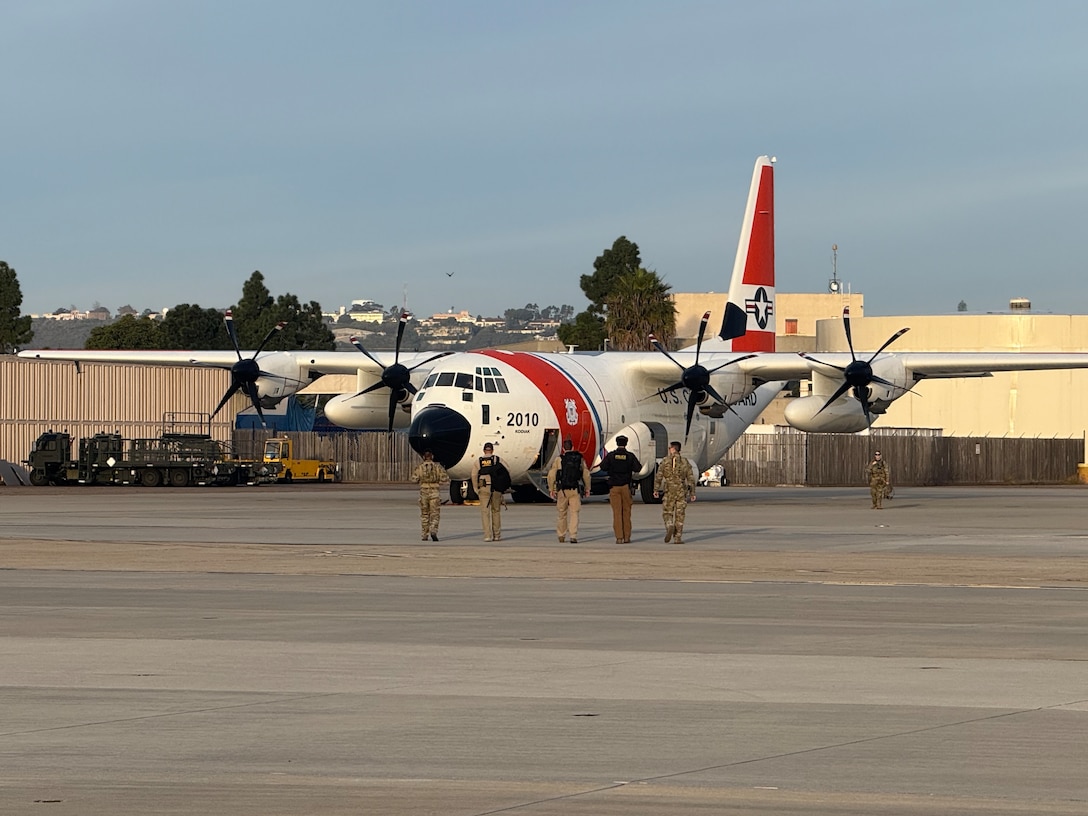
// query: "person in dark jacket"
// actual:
[[621, 466]]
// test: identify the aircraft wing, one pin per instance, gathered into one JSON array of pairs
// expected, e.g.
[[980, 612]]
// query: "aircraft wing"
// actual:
[[325, 362], [923, 365]]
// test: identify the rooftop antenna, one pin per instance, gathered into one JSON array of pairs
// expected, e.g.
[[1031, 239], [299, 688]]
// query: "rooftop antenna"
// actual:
[[833, 285]]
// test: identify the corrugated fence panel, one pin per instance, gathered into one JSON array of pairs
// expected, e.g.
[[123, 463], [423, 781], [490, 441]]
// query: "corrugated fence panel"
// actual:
[[39, 395]]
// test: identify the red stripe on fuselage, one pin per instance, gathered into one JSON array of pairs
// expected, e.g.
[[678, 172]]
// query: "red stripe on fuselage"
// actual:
[[557, 387]]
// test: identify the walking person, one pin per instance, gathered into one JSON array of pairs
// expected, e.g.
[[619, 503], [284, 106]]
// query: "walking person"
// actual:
[[621, 466], [429, 475], [676, 482], [568, 481], [483, 472], [877, 472]]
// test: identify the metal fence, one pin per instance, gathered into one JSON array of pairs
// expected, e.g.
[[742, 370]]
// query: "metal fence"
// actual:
[[818, 460], [916, 457]]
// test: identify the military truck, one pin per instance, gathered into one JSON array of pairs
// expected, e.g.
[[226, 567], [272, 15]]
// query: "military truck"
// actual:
[[174, 459], [279, 453]]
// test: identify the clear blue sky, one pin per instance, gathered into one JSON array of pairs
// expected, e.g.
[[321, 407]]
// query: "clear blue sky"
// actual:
[[156, 153]]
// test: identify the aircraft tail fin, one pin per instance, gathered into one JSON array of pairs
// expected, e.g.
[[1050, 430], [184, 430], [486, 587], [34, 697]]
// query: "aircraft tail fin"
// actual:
[[749, 320]]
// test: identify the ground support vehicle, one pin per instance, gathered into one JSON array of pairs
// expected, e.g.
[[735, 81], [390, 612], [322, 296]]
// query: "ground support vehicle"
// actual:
[[280, 454], [174, 459]]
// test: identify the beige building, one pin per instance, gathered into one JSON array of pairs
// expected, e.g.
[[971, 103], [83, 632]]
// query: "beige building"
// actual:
[[1024, 403], [1019, 403]]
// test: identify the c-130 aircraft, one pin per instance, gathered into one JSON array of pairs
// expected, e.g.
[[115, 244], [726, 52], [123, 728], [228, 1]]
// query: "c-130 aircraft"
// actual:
[[526, 403]]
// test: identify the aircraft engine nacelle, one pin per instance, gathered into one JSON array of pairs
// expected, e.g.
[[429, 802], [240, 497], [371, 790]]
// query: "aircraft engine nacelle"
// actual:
[[640, 442], [286, 377], [366, 410], [844, 415]]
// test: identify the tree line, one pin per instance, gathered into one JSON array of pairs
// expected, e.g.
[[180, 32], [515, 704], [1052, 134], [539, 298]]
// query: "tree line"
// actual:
[[627, 303]]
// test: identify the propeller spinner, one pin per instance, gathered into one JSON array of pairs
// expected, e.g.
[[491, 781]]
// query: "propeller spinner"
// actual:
[[696, 378], [245, 373], [396, 377], [858, 374]]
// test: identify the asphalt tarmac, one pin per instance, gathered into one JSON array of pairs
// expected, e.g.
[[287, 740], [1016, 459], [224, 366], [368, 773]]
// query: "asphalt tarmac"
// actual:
[[297, 650]]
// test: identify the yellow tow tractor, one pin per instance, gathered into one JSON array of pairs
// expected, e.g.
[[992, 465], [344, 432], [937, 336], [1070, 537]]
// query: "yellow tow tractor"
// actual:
[[279, 452]]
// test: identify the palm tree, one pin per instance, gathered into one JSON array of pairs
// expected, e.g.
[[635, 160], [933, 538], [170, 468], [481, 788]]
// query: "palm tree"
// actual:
[[638, 305]]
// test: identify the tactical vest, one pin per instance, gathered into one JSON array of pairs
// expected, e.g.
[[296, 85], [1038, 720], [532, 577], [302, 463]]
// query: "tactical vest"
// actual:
[[487, 466], [620, 468], [570, 471]]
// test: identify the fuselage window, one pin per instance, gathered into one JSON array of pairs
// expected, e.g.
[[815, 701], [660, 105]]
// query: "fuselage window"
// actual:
[[501, 383], [489, 386], [463, 381], [445, 378], [479, 383], [431, 380]]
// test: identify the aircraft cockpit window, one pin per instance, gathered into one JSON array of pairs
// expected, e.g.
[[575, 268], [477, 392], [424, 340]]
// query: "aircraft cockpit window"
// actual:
[[445, 378], [431, 380], [490, 380], [464, 381]]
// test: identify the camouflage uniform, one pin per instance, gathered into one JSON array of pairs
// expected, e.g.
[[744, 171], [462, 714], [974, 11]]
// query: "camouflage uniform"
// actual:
[[676, 484], [429, 475], [877, 471]]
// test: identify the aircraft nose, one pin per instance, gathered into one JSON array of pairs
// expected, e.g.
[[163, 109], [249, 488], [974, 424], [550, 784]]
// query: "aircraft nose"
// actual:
[[442, 431]]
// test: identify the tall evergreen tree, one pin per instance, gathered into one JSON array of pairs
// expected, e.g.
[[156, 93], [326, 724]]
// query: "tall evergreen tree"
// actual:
[[128, 332], [639, 305], [193, 328], [253, 314], [14, 327]]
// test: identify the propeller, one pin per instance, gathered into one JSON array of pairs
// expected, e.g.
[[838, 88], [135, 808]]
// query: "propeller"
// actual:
[[245, 373], [858, 374], [696, 378], [397, 377]]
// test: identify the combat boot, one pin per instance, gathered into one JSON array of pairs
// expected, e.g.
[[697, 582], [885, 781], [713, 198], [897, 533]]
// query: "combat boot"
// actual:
[[669, 530]]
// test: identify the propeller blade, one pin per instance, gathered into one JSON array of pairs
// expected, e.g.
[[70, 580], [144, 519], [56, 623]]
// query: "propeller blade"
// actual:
[[657, 345], [731, 362], [250, 390], [888, 342], [234, 386], [808, 356], [702, 331], [687, 423], [428, 360], [841, 390], [846, 327], [228, 319], [668, 390], [392, 409], [710, 390], [277, 328], [400, 335], [355, 341]]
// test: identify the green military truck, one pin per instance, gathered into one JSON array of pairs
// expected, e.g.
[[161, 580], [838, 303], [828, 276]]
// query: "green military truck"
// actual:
[[174, 459]]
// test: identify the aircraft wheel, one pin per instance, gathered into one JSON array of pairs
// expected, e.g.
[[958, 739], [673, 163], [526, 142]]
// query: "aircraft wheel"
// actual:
[[525, 494], [646, 489]]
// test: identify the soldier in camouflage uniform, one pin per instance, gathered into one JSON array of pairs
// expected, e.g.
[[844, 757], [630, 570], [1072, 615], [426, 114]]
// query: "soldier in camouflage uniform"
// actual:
[[429, 475], [877, 471], [675, 480]]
